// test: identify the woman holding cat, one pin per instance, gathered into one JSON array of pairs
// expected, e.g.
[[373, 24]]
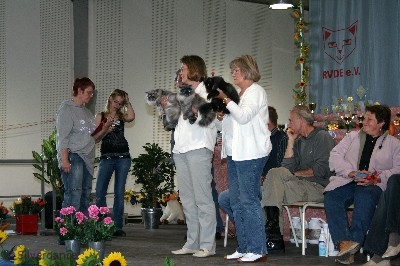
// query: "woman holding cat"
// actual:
[[246, 142], [115, 156], [193, 153]]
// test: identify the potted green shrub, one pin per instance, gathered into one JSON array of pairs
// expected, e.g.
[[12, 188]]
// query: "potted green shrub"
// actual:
[[154, 172], [48, 172]]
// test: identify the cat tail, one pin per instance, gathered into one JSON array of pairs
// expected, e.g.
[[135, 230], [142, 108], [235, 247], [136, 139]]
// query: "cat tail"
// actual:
[[207, 114]]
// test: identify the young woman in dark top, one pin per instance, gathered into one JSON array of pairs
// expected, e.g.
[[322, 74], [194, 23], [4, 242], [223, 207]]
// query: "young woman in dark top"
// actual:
[[115, 156]]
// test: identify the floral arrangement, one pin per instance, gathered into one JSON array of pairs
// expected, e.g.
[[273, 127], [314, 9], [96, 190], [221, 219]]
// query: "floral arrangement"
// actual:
[[76, 225], [302, 62], [21, 255], [139, 197], [70, 224], [25, 205], [99, 226], [3, 212]]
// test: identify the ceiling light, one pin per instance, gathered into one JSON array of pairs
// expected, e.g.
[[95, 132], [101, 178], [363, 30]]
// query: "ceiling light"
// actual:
[[280, 4]]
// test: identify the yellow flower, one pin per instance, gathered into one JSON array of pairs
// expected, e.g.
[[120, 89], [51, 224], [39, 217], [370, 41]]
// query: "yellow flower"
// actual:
[[42, 257], [19, 254], [296, 36], [89, 255], [300, 25], [114, 259], [296, 14], [3, 236]]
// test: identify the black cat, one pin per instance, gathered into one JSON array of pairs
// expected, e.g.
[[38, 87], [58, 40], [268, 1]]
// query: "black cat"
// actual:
[[212, 83]]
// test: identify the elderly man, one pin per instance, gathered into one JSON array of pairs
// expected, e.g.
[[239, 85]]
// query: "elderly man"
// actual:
[[305, 166]]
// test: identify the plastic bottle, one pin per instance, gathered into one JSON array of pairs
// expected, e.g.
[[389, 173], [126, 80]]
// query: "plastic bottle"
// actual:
[[296, 222], [322, 244], [297, 229], [314, 230]]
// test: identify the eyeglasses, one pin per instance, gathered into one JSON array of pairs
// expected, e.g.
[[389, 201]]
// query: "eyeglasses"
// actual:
[[89, 92], [235, 71]]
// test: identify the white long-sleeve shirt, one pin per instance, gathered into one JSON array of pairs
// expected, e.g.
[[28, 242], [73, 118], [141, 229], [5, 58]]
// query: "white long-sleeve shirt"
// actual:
[[250, 134]]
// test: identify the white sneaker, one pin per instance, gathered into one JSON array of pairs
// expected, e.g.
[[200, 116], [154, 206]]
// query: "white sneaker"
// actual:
[[252, 257], [234, 256], [183, 251], [203, 253]]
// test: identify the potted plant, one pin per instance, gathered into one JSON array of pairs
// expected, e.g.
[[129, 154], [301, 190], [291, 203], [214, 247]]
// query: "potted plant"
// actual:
[[48, 172], [154, 172], [27, 214]]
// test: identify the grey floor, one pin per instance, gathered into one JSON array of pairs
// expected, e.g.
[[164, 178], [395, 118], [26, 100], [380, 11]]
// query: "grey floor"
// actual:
[[151, 247]]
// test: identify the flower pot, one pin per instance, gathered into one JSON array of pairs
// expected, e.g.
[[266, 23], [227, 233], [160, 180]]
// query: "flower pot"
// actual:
[[73, 245], [26, 223], [151, 217], [99, 247]]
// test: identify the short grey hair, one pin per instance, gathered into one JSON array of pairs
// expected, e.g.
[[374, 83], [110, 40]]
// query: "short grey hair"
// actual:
[[304, 112]]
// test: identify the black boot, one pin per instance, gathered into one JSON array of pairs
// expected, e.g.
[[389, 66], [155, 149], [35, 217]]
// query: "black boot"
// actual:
[[274, 239]]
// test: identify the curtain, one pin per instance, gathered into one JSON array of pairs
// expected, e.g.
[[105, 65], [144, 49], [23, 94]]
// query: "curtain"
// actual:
[[354, 46]]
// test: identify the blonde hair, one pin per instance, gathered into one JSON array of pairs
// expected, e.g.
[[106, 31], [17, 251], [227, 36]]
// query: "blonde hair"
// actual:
[[248, 65], [113, 94]]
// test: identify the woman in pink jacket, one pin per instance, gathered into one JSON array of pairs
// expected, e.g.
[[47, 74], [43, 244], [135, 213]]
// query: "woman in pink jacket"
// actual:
[[363, 161]]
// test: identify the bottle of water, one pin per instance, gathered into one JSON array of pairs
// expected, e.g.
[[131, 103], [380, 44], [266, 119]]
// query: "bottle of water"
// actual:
[[322, 244]]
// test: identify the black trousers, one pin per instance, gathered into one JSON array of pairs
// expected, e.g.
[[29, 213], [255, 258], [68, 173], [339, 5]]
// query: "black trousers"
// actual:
[[386, 218]]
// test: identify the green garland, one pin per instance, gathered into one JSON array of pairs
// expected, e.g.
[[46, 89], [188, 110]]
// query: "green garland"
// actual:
[[302, 62]]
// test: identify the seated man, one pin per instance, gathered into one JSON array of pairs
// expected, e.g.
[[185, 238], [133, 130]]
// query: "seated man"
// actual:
[[305, 166]]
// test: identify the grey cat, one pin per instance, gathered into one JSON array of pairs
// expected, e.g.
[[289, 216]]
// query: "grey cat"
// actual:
[[178, 103]]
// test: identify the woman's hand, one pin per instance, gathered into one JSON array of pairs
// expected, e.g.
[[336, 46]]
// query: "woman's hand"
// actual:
[[66, 166], [164, 102], [221, 95], [220, 116]]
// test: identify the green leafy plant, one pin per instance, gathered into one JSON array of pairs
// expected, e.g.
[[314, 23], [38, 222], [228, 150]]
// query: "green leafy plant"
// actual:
[[155, 173], [47, 164]]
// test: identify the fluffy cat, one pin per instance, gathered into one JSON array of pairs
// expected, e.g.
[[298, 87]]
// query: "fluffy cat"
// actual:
[[212, 83], [178, 103], [173, 211], [172, 111]]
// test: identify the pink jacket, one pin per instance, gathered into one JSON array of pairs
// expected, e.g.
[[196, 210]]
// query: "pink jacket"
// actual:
[[345, 157]]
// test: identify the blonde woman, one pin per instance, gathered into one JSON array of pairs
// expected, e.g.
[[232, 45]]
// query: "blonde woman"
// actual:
[[115, 156]]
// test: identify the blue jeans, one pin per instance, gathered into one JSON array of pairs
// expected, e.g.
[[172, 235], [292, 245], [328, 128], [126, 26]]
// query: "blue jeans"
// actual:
[[338, 200], [244, 195], [77, 184], [106, 168], [225, 204], [386, 218]]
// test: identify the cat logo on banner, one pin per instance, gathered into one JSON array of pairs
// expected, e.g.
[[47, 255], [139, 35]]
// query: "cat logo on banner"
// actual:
[[340, 44]]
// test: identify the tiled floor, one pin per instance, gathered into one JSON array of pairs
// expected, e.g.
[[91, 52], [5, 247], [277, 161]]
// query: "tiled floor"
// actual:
[[151, 247]]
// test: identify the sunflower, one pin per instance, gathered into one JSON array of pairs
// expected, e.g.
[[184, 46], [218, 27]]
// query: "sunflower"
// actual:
[[19, 254], [114, 259], [3, 236], [89, 257]]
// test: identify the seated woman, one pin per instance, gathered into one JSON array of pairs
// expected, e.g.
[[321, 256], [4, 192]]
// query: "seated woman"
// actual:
[[362, 161], [385, 226]]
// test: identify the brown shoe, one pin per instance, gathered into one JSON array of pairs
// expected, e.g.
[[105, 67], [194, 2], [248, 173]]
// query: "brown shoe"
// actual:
[[346, 259], [348, 247]]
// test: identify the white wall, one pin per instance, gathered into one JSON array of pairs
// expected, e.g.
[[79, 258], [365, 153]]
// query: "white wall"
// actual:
[[141, 68]]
